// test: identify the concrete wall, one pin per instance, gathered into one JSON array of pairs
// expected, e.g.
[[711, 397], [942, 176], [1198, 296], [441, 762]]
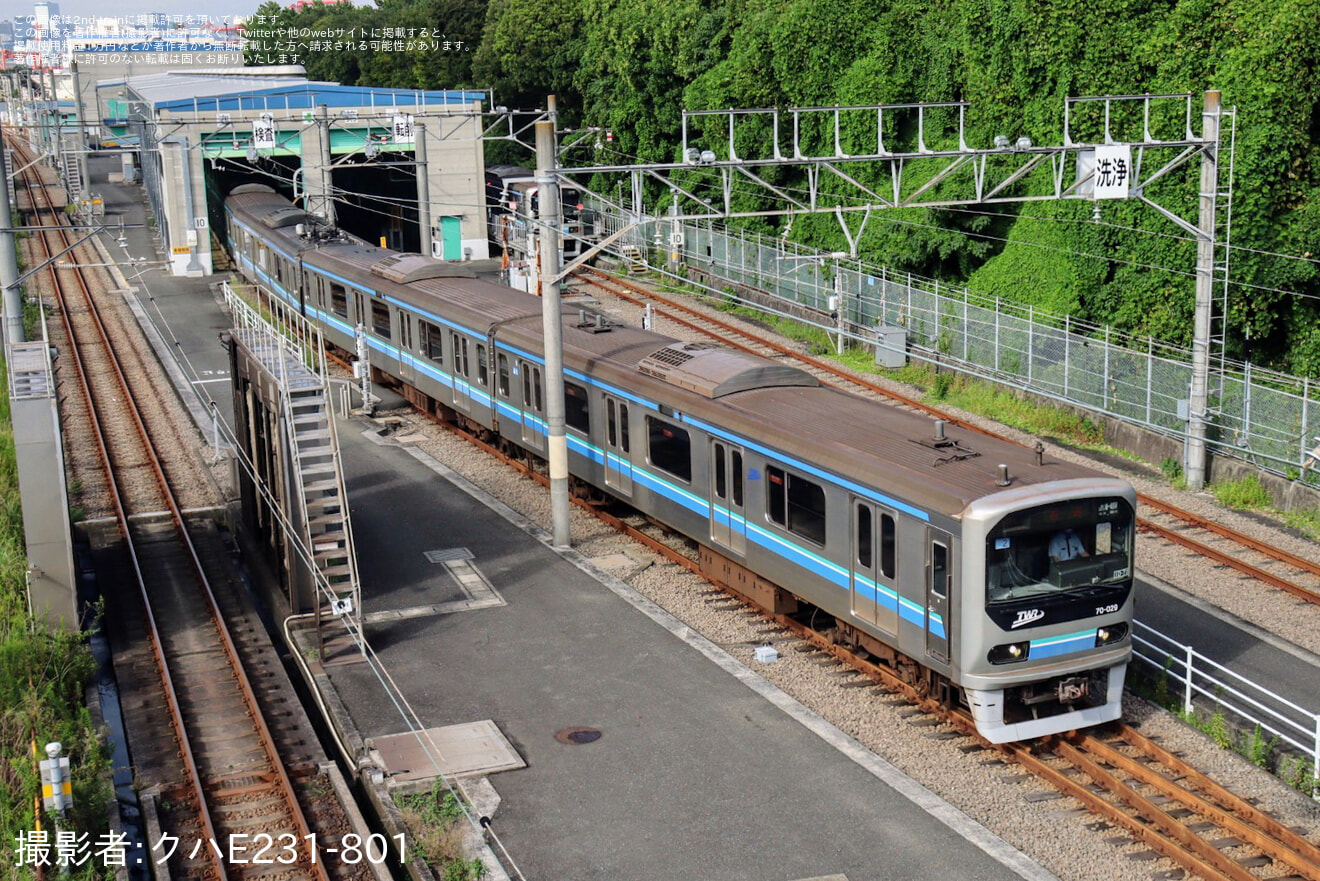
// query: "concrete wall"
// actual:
[[52, 580]]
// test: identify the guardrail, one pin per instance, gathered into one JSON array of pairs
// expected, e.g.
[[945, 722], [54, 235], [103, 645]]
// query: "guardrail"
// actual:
[[1216, 686]]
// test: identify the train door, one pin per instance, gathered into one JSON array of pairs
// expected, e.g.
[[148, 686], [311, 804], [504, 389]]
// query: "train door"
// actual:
[[407, 367], [458, 348], [533, 420], [864, 562], [874, 565], [939, 578], [618, 461], [728, 519]]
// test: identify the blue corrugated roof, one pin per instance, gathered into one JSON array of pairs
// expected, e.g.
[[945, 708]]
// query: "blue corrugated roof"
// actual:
[[305, 96]]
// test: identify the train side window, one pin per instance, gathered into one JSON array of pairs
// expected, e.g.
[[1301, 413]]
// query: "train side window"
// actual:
[[736, 475], [721, 473], [503, 362], [888, 545], [338, 300], [939, 569], [380, 318], [623, 427], [670, 448], [611, 423], [531, 377], [460, 354], [774, 495], [433, 342], [576, 414], [795, 503], [483, 375], [865, 554]]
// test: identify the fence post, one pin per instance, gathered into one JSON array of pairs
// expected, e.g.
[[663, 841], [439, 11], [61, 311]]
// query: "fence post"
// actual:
[[1306, 419], [909, 300], [1104, 382], [1187, 690], [1150, 373], [1315, 766], [996, 333], [937, 316], [1246, 399], [1067, 340], [1031, 338], [965, 326]]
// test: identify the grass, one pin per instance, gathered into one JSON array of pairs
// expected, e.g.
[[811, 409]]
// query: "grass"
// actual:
[[437, 823], [1306, 521], [43, 675], [1244, 494]]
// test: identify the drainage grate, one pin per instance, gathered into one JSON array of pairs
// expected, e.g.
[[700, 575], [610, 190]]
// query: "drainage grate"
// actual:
[[448, 555], [578, 735]]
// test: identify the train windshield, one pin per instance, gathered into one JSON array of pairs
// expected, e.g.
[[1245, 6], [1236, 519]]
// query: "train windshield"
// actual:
[[1061, 548]]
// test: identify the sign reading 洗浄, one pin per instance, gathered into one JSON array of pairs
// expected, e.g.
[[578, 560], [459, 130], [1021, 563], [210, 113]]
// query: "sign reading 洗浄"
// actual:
[[1113, 171]]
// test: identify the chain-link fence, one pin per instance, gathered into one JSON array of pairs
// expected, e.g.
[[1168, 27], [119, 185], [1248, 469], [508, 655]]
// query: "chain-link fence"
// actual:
[[1269, 418]]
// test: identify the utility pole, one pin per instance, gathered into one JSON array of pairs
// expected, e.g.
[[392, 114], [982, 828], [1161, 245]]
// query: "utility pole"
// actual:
[[327, 161], [13, 300], [556, 439], [80, 141], [423, 187], [53, 117], [1194, 466]]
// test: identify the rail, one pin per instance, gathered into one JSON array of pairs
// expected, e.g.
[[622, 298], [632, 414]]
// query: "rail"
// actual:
[[1228, 692]]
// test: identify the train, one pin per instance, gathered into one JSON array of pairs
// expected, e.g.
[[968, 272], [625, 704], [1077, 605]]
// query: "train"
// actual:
[[984, 573], [512, 205]]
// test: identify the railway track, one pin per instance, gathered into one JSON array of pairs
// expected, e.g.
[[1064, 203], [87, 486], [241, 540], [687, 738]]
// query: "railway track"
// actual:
[[1255, 559], [232, 783]]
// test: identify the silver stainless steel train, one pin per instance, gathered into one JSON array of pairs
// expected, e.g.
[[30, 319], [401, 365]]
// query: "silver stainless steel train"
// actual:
[[511, 210], [974, 567]]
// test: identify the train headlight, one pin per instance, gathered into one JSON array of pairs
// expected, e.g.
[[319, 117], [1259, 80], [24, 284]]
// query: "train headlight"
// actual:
[[1011, 653], [1110, 634]]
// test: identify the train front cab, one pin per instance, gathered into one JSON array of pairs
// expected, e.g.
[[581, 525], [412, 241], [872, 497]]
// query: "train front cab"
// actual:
[[1046, 641]]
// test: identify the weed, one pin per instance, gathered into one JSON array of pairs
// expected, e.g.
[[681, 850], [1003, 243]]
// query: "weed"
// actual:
[[1257, 749], [436, 820], [943, 383], [1246, 493], [1306, 520], [1298, 773], [1162, 683], [1173, 470]]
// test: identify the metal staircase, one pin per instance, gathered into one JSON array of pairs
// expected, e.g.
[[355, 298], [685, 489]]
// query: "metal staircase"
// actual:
[[312, 493], [70, 171]]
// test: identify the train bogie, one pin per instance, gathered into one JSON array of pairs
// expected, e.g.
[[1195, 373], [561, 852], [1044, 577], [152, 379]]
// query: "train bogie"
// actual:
[[932, 548]]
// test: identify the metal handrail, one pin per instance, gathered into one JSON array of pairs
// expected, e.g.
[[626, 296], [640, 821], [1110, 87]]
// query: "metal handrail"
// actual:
[[1295, 725]]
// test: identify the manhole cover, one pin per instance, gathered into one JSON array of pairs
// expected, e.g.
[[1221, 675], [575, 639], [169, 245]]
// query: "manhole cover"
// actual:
[[578, 735]]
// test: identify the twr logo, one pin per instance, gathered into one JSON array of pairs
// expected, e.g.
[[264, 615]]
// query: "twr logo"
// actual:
[[1028, 616]]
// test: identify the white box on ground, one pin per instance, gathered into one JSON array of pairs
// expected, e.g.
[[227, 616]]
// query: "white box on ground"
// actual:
[[766, 654]]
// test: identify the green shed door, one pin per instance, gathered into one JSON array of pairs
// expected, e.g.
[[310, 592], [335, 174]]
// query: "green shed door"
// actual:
[[450, 238]]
